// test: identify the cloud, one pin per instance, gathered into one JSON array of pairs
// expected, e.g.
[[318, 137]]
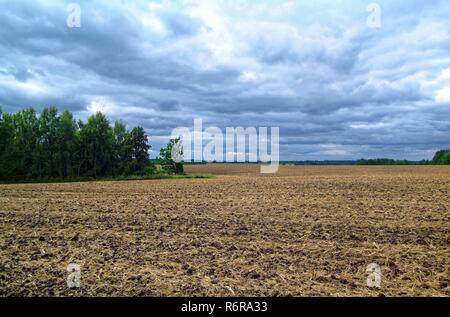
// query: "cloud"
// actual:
[[336, 88]]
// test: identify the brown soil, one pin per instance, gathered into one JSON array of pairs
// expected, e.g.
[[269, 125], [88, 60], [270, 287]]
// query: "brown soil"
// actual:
[[306, 231]]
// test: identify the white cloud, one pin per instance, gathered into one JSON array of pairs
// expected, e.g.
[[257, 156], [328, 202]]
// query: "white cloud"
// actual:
[[443, 95]]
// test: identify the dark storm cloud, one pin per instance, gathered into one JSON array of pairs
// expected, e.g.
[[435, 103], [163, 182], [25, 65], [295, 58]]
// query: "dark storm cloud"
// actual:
[[334, 86], [21, 73]]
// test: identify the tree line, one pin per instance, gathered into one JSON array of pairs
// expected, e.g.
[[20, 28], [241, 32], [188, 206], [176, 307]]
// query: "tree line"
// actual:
[[55, 145], [441, 157], [387, 161]]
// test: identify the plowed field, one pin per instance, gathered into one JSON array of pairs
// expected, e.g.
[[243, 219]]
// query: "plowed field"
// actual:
[[306, 231]]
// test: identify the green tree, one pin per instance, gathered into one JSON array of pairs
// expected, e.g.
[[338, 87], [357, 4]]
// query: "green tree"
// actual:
[[55, 145], [22, 157], [47, 146], [5, 146], [4, 134], [441, 157], [138, 141], [167, 159], [121, 148], [95, 139], [66, 145]]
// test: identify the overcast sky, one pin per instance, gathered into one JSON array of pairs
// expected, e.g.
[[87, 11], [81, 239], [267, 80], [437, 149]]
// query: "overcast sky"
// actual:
[[337, 88]]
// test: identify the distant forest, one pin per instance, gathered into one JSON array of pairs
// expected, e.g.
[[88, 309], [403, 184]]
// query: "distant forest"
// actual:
[[441, 157], [54, 145]]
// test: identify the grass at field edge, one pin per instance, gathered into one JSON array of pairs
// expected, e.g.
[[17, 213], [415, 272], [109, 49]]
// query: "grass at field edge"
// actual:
[[111, 179]]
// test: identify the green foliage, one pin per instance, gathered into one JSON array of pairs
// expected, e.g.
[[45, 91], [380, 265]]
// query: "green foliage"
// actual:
[[139, 151], [381, 161], [96, 140], [5, 141], [121, 148], [166, 159], [442, 157], [67, 145], [21, 155], [54, 146], [150, 169], [386, 161], [47, 142]]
